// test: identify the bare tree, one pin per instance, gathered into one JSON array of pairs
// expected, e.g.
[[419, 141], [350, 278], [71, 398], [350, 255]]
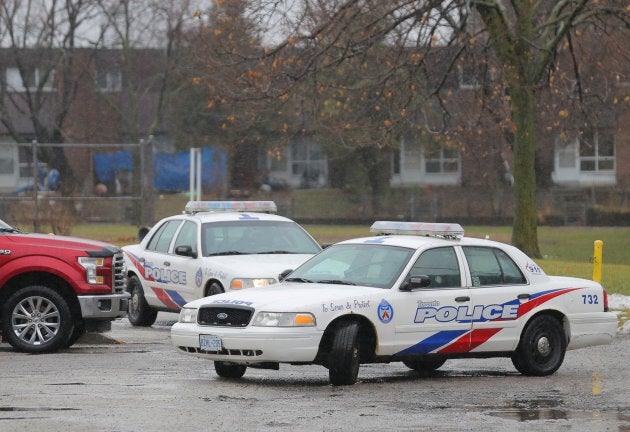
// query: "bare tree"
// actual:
[[39, 42]]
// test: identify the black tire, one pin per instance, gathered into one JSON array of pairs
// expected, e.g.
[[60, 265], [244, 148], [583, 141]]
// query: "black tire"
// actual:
[[425, 365], [541, 350], [77, 332], [344, 358], [37, 319], [140, 313], [229, 370], [214, 289]]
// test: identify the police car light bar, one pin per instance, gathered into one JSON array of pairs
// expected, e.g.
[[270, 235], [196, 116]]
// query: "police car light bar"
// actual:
[[230, 206], [427, 229]]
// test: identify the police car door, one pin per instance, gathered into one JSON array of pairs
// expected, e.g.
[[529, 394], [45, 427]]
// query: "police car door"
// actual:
[[157, 277], [185, 263], [433, 319], [496, 283]]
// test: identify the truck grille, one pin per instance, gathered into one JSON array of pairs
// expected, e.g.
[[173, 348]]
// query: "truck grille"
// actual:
[[120, 274], [224, 316]]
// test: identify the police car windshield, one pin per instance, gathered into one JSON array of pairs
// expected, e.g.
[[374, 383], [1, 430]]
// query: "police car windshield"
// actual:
[[254, 236], [372, 265]]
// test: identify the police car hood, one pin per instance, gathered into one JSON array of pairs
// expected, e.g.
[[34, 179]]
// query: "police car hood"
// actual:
[[263, 265], [287, 297]]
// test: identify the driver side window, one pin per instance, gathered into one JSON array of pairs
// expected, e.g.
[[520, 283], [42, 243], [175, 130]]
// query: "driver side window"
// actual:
[[441, 265]]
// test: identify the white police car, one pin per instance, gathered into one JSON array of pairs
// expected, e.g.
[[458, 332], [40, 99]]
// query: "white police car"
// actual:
[[213, 247], [420, 299]]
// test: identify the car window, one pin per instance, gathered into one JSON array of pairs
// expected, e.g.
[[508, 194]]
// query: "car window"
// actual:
[[163, 236], [441, 265], [187, 236], [356, 264], [492, 266], [255, 237]]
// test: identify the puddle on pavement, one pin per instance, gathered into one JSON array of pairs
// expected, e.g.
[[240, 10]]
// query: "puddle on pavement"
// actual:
[[550, 409]]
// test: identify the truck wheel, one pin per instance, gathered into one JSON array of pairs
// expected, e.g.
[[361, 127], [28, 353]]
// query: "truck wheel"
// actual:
[[77, 332], [37, 319], [229, 370], [541, 349], [344, 358], [424, 365], [140, 313]]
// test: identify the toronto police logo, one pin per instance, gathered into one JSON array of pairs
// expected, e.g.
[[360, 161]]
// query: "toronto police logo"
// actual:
[[385, 312], [199, 277]]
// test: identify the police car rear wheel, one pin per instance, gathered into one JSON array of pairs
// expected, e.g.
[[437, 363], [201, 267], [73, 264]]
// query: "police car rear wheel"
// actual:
[[424, 365], [227, 370], [140, 314], [541, 349], [344, 357]]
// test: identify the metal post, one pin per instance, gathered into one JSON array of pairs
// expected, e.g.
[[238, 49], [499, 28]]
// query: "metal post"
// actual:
[[597, 260], [194, 193], [35, 187]]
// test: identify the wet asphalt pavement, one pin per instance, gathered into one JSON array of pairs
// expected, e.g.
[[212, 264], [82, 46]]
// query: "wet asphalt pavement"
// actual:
[[132, 379]]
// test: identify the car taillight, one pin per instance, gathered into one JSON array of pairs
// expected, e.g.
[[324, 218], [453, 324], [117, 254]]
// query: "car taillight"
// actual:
[[605, 300]]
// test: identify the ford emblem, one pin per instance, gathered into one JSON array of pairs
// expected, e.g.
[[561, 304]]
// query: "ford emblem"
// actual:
[[222, 316]]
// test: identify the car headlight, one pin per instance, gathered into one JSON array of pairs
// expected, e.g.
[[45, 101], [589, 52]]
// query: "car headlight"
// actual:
[[188, 315], [284, 319], [92, 266], [241, 283]]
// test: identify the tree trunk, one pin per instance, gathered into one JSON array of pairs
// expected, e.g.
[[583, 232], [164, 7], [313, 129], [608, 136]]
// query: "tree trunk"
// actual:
[[524, 229]]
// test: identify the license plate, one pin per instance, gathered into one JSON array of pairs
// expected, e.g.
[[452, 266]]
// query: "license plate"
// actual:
[[210, 343]]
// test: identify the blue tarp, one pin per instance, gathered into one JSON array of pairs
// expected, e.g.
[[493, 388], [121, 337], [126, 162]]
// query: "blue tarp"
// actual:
[[171, 171], [106, 165]]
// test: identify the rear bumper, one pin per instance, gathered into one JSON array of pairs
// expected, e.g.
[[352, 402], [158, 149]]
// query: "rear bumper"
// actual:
[[104, 306], [592, 329]]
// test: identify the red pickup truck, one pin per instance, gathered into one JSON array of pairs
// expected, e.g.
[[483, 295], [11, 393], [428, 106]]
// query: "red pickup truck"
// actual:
[[54, 288]]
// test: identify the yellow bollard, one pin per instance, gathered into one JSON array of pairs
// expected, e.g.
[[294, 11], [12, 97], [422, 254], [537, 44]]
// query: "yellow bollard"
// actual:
[[597, 260]]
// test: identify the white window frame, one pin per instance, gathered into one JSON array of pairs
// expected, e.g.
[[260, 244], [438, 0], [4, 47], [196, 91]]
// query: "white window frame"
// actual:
[[15, 81], [113, 81], [413, 167], [568, 164]]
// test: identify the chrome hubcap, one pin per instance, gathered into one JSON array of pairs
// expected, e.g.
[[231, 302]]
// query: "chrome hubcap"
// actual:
[[35, 320]]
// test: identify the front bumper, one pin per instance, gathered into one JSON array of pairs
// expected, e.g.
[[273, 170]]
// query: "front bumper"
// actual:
[[104, 306], [250, 345]]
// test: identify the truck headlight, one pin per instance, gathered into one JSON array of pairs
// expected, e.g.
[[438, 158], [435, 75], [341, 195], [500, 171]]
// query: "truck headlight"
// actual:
[[241, 283], [284, 319], [91, 266], [188, 315]]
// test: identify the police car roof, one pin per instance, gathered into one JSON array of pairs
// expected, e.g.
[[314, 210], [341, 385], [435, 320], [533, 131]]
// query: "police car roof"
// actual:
[[231, 216]]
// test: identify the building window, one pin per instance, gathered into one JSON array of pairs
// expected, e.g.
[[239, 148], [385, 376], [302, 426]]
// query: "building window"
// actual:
[[440, 159], [109, 81], [308, 162], [597, 152], [32, 79]]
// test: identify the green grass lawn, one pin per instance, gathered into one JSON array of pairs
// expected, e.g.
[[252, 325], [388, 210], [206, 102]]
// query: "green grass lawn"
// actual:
[[567, 251]]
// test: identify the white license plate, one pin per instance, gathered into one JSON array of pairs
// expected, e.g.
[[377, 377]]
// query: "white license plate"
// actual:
[[209, 343]]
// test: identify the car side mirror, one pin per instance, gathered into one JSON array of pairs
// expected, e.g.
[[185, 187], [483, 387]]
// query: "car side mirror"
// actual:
[[185, 250], [415, 282], [284, 274]]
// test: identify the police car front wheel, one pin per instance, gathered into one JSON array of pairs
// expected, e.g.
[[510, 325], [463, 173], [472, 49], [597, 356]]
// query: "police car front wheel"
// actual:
[[344, 357], [229, 370]]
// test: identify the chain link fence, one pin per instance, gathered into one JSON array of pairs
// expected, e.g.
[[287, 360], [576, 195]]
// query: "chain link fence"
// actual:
[[67, 185]]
